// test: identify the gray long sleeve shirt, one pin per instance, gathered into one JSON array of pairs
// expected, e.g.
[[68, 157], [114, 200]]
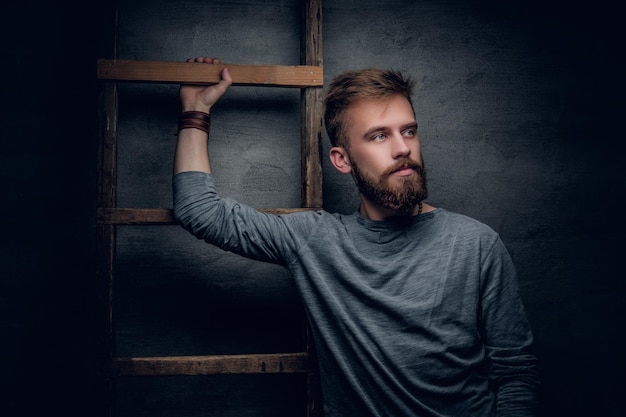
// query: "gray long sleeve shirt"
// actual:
[[414, 318]]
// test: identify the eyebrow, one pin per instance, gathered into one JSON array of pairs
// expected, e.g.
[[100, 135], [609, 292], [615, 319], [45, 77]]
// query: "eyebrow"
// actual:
[[384, 128]]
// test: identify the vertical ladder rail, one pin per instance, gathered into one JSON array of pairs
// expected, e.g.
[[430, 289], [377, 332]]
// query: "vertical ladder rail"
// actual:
[[311, 106], [311, 143], [106, 198], [105, 247]]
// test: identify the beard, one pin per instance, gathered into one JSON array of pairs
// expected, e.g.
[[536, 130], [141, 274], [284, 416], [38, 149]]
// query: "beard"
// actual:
[[402, 197]]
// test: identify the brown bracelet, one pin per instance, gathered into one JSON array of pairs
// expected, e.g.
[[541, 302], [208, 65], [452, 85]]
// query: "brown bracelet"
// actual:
[[194, 120]]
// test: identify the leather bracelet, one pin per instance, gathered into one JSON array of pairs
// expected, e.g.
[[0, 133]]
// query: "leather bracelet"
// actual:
[[194, 120]]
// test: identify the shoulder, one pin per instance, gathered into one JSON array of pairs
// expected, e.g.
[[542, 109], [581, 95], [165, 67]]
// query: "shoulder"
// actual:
[[313, 221], [466, 229], [463, 222]]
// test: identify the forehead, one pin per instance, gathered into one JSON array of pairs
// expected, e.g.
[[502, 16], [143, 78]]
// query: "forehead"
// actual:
[[389, 112]]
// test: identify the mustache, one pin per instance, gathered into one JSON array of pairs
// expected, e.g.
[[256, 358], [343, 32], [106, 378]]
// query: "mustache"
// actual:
[[402, 164]]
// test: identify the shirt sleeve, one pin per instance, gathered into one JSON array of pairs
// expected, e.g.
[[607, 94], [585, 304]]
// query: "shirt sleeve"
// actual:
[[235, 227], [508, 337]]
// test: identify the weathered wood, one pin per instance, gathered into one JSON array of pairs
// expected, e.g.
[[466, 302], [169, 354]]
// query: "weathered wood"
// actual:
[[162, 216], [273, 363], [133, 216], [312, 108], [196, 73], [108, 19], [107, 195], [311, 164]]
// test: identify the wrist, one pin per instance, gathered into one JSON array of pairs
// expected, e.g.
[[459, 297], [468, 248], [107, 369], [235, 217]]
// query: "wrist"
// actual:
[[202, 109], [192, 105], [194, 120]]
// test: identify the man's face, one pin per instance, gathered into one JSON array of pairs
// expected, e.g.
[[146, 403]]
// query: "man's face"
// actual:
[[384, 153]]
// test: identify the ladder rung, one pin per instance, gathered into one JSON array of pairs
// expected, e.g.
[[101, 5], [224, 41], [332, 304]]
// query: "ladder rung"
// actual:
[[274, 363], [134, 216], [197, 73], [162, 216]]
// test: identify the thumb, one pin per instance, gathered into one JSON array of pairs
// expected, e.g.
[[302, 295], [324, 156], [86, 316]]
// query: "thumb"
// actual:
[[227, 80], [220, 88]]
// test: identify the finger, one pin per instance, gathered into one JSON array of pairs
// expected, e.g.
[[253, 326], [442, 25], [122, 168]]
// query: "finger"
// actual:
[[224, 83], [226, 76]]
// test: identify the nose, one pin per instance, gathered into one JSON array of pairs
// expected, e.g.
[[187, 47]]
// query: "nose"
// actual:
[[399, 148]]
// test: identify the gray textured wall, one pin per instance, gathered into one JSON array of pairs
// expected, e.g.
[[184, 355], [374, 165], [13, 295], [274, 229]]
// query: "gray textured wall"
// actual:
[[519, 108]]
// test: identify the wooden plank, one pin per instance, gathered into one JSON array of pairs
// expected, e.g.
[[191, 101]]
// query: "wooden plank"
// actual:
[[273, 363], [132, 216], [106, 233], [311, 165], [163, 216], [108, 19], [197, 73], [312, 107]]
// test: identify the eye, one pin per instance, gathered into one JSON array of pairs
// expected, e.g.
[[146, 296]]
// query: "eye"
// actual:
[[409, 132], [378, 137]]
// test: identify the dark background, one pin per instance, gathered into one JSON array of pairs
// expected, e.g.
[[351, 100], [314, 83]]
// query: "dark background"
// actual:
[[520, 109]]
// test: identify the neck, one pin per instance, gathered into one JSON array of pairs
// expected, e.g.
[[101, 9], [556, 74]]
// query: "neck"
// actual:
[[378, 213]]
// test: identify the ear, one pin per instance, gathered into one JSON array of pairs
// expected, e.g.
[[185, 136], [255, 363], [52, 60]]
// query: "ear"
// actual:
[[340, 159]]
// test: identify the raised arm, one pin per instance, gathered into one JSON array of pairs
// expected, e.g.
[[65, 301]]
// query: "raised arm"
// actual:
[[191, 148]]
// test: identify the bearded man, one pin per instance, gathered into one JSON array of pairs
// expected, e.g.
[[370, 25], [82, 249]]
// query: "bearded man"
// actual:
[[415, 310]]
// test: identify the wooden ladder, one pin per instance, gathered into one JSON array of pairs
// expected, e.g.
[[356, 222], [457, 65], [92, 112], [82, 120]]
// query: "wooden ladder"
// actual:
[[309, 78]]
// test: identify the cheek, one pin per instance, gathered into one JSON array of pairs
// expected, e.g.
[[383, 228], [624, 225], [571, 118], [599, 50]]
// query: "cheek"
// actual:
[[416, 153], [368, 165], [372, 160]]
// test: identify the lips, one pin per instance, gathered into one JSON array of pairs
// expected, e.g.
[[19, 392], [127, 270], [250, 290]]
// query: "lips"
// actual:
[[403, 168]]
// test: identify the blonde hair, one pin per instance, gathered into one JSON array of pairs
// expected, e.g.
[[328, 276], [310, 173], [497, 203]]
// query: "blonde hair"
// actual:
[[354, 86]]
